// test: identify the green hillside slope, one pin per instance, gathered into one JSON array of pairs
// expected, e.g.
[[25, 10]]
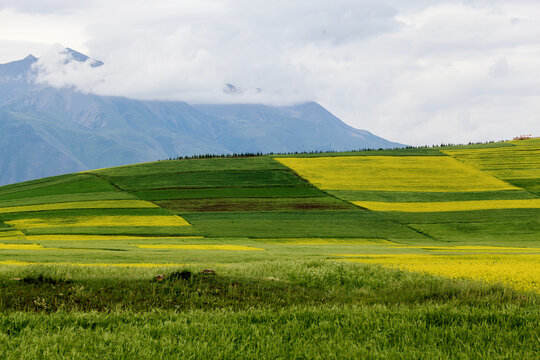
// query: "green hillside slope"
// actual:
[[452, 195], [410, 253]]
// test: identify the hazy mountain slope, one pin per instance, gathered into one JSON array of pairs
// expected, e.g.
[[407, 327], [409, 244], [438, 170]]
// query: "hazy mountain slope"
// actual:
[[303, 127], [47, 131]]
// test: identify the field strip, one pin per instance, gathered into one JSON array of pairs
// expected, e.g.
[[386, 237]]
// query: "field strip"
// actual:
[[63, 198], [519, 271], [458, 249], [442, 206], [325, 241], [120, 265], [102, 204], [201, 247], [21, 247], [106, 237], [521, 161], [467, 247], [394, 173], [40, 247], [11, 234], [101, 221]]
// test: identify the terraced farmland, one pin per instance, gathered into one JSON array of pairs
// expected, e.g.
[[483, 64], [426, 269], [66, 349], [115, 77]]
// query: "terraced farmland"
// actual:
[[419, 229]]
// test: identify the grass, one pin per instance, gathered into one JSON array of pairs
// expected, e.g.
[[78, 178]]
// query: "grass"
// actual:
[[193, 165], [149, 230], [328, 279], [234, 178], [255, 204], [226, 193], [428, 196], [89, 204], [59, 185], [63, 198], [261, 285], [325, 333], [298, 224], [302, 309]]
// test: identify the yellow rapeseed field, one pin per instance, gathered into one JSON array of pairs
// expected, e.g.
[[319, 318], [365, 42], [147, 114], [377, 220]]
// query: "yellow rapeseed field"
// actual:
[[20, 247], [449, 205], [103, 237], [327, 241], [121, 265], [470, 248], [100, 221], [12, 234], [201, 247], [103, 204], [394, 173], [521, 161], [520, 271]]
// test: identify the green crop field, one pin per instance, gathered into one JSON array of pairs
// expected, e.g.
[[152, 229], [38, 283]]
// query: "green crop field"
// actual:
[[405, 254]]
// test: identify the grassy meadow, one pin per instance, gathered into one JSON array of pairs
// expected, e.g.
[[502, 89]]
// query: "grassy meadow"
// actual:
[[406, 254]]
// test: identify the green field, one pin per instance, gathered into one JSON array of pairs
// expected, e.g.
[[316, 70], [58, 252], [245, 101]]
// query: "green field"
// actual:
[[307, 260]]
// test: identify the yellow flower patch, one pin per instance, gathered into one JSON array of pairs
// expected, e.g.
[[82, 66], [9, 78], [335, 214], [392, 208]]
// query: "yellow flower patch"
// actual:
[[121, 265], [468, 248], [521, 272], [393, 173], [521, 161], [11, 234], [201, 247], [104, 204], [21, 247], [449, 205], [457, 249], [103, 237], [327, 241], [100, 221]]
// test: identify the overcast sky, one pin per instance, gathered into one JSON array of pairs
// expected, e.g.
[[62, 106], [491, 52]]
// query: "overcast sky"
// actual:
[[413, 71]]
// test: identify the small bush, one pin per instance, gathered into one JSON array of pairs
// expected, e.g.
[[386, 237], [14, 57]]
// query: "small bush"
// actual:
[[42, 280], [180, 275]]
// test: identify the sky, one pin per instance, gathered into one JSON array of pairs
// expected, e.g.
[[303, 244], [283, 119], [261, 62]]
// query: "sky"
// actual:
[[413, 71]]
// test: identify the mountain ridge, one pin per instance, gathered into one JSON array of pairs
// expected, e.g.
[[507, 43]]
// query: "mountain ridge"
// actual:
[[46, 131]]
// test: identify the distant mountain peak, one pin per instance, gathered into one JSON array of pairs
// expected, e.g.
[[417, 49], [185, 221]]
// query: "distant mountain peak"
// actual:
[[80, 57], [76, 55], [16, 70], [30, 58], [231, 89]]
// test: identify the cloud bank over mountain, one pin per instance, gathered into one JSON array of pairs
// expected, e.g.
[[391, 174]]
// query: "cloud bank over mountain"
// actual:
[[412, 71]]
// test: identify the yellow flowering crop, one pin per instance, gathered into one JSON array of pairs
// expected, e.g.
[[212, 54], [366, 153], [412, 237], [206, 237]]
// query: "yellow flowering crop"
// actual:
[[520, 271], [117, 220], [521, 161], [327, 241], [459, 249], [201, 247], [140, 265], [449, 205], [103, 237], [20, 247], [103, 204], [12, 234], [393, 173]]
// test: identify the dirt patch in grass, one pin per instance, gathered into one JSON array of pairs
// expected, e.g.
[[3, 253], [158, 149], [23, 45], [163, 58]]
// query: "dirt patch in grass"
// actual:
[[255, 204]]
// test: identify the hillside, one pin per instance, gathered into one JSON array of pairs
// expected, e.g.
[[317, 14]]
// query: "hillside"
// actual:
[[46, 131], [390, 252], [480, 194]]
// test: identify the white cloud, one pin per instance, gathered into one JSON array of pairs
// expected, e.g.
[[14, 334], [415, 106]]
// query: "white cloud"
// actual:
[[412, 71], [41, 28]]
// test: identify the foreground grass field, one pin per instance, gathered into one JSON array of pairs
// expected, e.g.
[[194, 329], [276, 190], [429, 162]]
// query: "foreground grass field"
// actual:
[[414, 253]]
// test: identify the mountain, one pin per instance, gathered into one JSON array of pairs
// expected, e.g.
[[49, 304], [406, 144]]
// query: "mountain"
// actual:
[[46, 131]]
